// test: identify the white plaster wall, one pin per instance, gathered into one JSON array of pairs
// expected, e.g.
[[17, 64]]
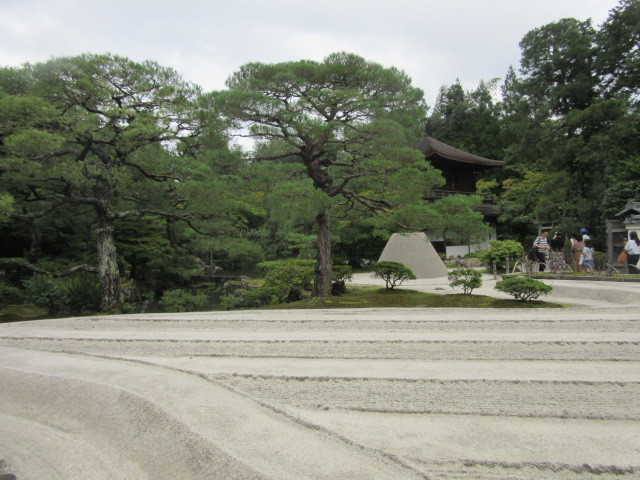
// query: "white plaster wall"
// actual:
[[462, 250]]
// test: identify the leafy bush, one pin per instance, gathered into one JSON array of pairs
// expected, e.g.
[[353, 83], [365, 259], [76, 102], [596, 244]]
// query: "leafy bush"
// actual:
[[83, 292], [254, 297], [467, 278], [523, 288], [181, 300], [294, 275], [500, 251], [285, 281], [10, 294], [230, 301], [600, 260], [78, 293], [268, 296], [393, 273], [46, 292], [340, 275]]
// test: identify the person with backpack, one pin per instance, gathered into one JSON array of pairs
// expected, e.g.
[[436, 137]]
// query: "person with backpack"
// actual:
[[542, 247]]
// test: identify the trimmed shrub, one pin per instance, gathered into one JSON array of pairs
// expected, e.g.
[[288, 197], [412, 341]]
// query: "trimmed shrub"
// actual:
[[181, 300], [83, 293], [229, 302], [268, 296], [294, 275], [467, 278], [501, 252], [340, 275], [10, 294], [285, 281], [393, 273], [523, 288], [46, 292]]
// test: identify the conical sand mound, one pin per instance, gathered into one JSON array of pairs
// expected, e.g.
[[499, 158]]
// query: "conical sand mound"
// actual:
[[416, 252]]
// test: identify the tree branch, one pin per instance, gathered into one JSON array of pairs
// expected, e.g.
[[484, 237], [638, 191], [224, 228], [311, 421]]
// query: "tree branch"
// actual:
[[29, 266], [157, 178], [54, 205], [184, 217]]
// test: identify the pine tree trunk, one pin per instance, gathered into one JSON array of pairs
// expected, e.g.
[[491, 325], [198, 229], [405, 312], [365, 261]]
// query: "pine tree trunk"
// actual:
[[35, 250], [171, 233], [108, 263], [322, 281]]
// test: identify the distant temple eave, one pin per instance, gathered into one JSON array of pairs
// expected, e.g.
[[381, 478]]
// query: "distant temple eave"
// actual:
[[432, 147]]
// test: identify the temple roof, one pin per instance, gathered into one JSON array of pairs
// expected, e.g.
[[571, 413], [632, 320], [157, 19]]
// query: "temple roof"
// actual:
[[631, 207], [432, 147]]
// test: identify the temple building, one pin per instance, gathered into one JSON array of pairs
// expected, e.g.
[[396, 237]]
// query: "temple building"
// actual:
[[461, 172]]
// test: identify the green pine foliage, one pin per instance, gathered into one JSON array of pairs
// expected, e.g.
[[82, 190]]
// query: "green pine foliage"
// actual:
[[393, 273], [523, 288], [467, 278], [567, 123], [339, 138], [124, 167], [46, 292], [182, 300]]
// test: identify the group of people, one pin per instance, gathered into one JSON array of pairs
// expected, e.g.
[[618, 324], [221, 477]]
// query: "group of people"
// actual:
[[582, 252]]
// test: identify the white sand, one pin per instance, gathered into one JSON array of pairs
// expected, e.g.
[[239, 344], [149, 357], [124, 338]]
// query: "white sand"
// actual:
[[359, 394]]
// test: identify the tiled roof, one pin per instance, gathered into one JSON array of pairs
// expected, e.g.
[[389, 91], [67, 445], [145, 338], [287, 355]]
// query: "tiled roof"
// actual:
[[630, 207], [430, 146]]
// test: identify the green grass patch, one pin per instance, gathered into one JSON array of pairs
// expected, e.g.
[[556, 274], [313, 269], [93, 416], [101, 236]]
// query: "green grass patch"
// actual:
[[375, 297], [19, 313]]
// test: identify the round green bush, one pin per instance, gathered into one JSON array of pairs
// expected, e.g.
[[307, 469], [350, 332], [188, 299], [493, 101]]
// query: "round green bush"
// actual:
[[523, 288], [393, 273], [467, 278], [47, 292], [181, 300]]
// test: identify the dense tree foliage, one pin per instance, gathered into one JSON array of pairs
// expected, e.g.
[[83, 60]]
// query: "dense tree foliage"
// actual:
[[123, 170], [343, 132], [567, 124], [92, 141]]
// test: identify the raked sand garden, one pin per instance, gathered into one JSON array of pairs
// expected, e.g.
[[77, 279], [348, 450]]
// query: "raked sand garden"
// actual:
[[329, 394]]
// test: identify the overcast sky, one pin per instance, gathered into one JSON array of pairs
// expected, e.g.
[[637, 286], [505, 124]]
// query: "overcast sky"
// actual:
[[433, 41]]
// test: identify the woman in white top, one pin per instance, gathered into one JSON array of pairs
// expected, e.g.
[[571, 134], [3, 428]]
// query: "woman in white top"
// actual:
[[632, 247]]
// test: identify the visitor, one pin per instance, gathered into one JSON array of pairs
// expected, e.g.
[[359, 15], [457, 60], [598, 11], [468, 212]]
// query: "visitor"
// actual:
[[585, 234], [556, 257], [632, 247], [588, 261], [576, 252], [557, 242], [542, 247]]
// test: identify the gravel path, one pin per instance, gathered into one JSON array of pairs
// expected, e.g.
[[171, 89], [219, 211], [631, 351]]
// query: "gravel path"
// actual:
[[358, 394]]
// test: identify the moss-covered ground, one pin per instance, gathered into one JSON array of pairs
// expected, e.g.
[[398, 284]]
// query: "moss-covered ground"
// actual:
[[376, 297]]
